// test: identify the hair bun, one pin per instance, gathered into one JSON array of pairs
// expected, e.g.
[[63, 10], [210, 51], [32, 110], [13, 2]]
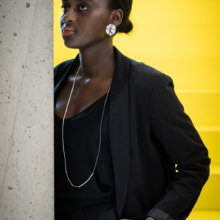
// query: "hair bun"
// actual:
[[127, 28]]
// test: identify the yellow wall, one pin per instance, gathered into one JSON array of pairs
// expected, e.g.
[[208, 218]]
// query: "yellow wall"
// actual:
[[182, 39]]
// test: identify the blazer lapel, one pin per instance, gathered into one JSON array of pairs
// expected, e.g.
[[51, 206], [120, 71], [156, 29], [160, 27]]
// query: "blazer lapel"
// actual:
[[118, 123], [119, 128]]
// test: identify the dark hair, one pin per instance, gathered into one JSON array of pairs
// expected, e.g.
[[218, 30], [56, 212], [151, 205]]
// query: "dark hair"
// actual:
[[126, 25]]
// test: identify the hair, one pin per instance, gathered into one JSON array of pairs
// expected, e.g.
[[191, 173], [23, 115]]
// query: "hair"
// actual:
[[126, 25]]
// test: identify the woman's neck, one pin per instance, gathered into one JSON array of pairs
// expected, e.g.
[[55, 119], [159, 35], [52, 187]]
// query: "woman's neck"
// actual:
[[97, 61]]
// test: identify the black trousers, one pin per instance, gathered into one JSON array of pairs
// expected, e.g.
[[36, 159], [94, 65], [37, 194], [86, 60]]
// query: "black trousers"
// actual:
[[100, 211]]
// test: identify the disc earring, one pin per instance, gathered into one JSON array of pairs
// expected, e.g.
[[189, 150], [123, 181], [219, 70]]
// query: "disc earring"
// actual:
[[111, 29]]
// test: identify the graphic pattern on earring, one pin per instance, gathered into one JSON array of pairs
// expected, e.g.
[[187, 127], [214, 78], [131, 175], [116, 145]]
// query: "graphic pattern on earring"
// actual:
[[110, 29]]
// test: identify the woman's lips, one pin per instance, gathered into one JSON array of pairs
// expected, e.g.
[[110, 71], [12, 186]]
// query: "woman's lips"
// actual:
[[68, 32]]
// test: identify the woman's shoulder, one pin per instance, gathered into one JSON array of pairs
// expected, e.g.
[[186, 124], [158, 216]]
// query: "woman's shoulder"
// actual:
[[145, 76], [144, 70], [59, 68]]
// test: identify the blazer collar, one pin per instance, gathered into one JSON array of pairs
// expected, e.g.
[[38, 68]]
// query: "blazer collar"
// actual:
[[118, 123]]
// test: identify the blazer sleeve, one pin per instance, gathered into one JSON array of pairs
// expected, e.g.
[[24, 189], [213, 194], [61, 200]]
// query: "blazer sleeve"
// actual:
[[181, 141]]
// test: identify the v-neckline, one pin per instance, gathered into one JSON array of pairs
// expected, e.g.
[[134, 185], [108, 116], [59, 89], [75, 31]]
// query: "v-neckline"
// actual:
[[83, 111]]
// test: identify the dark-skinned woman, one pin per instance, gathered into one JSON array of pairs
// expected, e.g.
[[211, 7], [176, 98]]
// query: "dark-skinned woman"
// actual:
[[119, 127]]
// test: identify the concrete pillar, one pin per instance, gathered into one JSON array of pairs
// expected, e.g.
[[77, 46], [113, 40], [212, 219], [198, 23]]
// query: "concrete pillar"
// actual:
[[26, 110]]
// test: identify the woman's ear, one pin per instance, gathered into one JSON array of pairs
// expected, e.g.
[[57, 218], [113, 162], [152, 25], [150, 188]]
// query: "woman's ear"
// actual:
[[116, 17]]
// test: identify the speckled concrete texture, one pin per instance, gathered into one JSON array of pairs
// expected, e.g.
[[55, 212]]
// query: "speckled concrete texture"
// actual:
[[26, 110]]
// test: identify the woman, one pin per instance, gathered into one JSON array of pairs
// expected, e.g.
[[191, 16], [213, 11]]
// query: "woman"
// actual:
[[119, 127]]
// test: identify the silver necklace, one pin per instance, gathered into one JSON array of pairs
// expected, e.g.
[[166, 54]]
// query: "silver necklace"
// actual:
[[99, 138]]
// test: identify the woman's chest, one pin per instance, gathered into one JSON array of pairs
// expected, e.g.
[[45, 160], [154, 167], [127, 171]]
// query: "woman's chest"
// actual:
[[78, 96]]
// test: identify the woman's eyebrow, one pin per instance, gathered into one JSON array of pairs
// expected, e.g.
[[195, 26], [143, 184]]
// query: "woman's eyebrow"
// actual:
[[77, 0]]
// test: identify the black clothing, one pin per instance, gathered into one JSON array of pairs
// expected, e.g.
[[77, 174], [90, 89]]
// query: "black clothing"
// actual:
[[149, 133], [81, 142], [100, 211]]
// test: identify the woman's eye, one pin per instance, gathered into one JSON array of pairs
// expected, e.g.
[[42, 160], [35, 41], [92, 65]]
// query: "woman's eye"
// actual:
[[83, 8], [64, 7]]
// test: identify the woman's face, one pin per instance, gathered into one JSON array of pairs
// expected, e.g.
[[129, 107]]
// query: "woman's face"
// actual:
[[88, 18]]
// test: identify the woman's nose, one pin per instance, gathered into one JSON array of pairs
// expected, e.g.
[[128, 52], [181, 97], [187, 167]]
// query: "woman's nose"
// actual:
[[69, 16]]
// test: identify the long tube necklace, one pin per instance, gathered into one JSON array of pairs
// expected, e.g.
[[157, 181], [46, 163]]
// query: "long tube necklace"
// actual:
[[99, 138]]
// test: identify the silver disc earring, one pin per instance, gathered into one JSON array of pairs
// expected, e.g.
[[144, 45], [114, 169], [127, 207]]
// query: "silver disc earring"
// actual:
[[110, 29]]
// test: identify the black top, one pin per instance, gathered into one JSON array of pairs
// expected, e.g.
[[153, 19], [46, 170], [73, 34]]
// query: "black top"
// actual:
[[81, 144]]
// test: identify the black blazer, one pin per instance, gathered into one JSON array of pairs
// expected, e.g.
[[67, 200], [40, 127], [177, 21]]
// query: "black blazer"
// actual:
[[149, 133]]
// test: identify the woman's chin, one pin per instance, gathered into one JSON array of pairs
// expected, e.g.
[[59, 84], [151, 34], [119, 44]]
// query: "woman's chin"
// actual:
[[71, 45]]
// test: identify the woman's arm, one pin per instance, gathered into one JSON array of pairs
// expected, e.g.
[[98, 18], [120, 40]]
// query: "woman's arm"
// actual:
[[181, 141]]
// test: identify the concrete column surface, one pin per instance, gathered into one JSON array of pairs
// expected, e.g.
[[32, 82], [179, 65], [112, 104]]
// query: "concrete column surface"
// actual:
[[26, 110]]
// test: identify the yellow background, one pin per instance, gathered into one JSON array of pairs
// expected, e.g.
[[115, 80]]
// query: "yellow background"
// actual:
[[181, 38]]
